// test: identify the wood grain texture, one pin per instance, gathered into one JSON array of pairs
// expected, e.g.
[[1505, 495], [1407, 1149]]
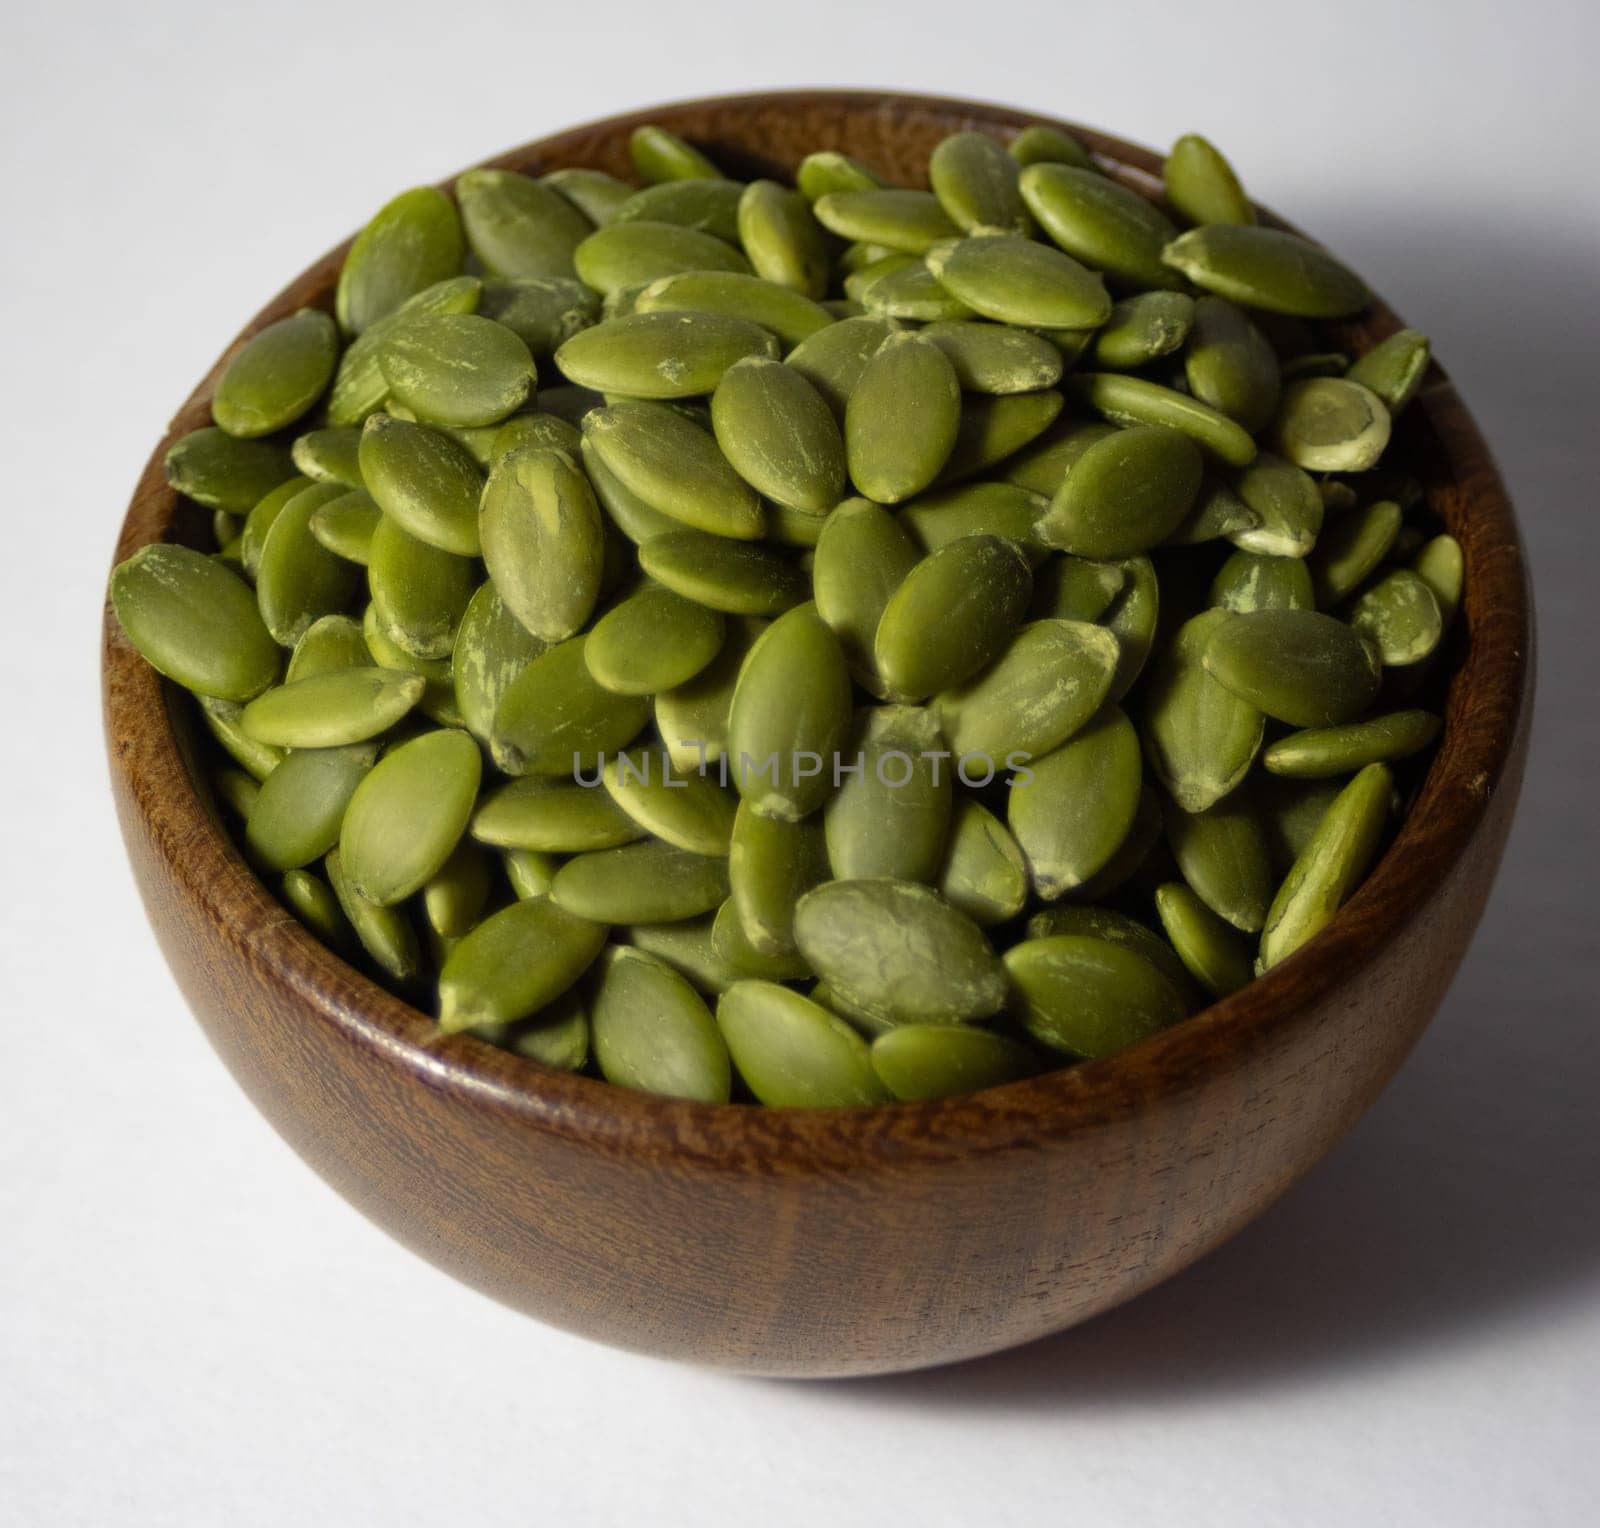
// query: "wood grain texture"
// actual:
[[830, 1242]]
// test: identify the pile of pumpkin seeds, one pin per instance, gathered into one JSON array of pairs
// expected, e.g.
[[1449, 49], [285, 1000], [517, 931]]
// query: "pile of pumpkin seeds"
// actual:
[[816, 645]]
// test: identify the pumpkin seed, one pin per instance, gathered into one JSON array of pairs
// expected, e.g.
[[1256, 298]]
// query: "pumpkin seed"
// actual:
[[1071, 588], [514, 963], [1400, 617], [457, 894], [684, 808], [1076, 804], [990, 358], [899, 952], [1042, 466], [1319, 752], [298, 579], [1039, 144], [903, 287], [194, 621], [951, 615], [662, 355], [861, 557], [652, 1031], [1212, 951], [235, 790], [744, 960], [1218, 514], [297, 814], [329, 455], [1330, 424], [735, 577], [781, 238], [1393, 369], [1350, 549], [312, 901], [1267, 268], [994, 428], [912, 221], [686, 946], [1088, 998], [334, 642], [1132, 621], [659, 155], [711, 206], [425, 480], [1114, 928], [777, 432], [1441, 567], [222, 472], [827, 171], [925, 1061], [1225, 857], [412, 242], [554, 718], [1103, 224], [419, 592], [789, 314], [1143, 328], [1287, 506], [833, 358], [772, 863], [653, 640], [552, 817], [984, 874], [221, 720], [1126, 494], [1201, 184], [1330, 867], [277, 375], [976, 183], [622, 256], [491, 648], [1299, 666], [458, 369], [358, 387], [1133, 401], [1248, 581], [1230, 366], [692, 718], [890, 815], [542, 311], [385, 933], [543, 430], [1015, 280], [519, 229], [906, 378], [977, 509], [792, 1053], [649, 882], [594, 193], [557, 1036]]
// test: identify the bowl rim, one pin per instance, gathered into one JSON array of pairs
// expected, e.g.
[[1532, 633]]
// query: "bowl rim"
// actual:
[[1487, 702]]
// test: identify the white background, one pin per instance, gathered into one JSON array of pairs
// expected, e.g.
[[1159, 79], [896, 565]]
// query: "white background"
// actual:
[[194, 1330]]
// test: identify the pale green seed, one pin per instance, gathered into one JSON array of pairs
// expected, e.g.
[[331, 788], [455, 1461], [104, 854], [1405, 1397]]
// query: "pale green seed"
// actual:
[[413, 242], [984, 874], [457, 369], [741, 957], [1218, 514], [1441, 566], [653, 1032], [215, 469], [899, 952], [1230, 366], [918, 1062], [1042, 466], [419, 592], [781, 239], [1225, 856], [827, 171], [277, 375], [779, 435], [1101, 223], [553, 716], [977, 509], [542, 311], [1321, 752], [735, 577], [647, 882], [992, 429], [195, 621], [425, 480], [1349, 550], [1201, 184], [1089, 998], [1330, 867], [519, 229], [951, 615], [221, 720], [991, 358], [709, 205], [594, 193], [789, 314], [1126, 494], [659, 155], [301, 805], [901, 419], [1131, 857], [514, 963], [890, 816], [1213, 952], [1393, 368], [1400, 617], [312, 901], [385, 933], [833, 358], [771, 865], [235, 790], [790, 712], [298, 580], [687, 947], [1330, 424], [662, 355], [545, 430], [1095, 922], [653, 640], [862, 555], [912, 221], [976, 183], [1071, 810], [458, 892], [692, 718], [330, 455], [552, 817], [1248, 581], [792, 1053], [1142, 329], [543, 541], [1039, 144], [334, 642], [1299, 666], [438, 697], [622, 256], [1267, 268], [1287, 506], [624, 508], [491, 648], [904, 287], [1133, 400], [680, 807], [557, 1036], [1015, 280]]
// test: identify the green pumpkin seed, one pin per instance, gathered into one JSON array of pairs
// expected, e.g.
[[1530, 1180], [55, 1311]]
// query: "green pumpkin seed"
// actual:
[[1114, 928], [779, 435], [781, 238], [553, 717], [1212, 951], [1330, 867], [1248, 581], [833, 358], [709, 205], [792, 1053], [890, 816], [407, 816], [557, 1036], [1101, 223], [653, 1032], [455, 897], [789, 314], [692, 718], [1393, 368], [1127, 493], [976, 183], [917, 1062], [1218, 514], [823, 173], [542, 311], [1132, 621], [491, 648], [235, 790], [906, 379], [1074, 807], [659, 155], [594, 193], [1201, 185], [514, 963], [358, 387], [683, 808], [438, 698], [1142, 329], [743, 959], [1134, 401], [425, 480], [994, 428], [1400, 617], [675, 467], [1015, 280], [1267, 268], [790, 712], [654, 640], [194, 621], [552, 817], [519, 229], [334, 642], [221, 720], [1070, 588], [912, 221], [990, 358], [1350, 549], [1224, 855], [1320, 752], [543, 541], [648, 882], [1299, 666], [543, 430], [862, 555], [413, 242], [1229, 365], [984, 874], [1330, 424], [1330, 364], [735, 577], [385, 933], [772, 863], [216, 469], [687, 947], [1088, 998], [297, 814], [1441, 567], [899, 952], [662, 355], [312, 901], [977, 509], [1039, 144], [908, 291], [277, 374], [457, 369], [1287, 506], [298, 579], [330, 455], [419, 592], [1046, 685], [1042, 466], [622, 256], [951, 615]]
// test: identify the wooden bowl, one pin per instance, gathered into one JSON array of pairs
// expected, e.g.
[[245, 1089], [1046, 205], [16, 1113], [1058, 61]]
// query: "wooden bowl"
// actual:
[[834, 1242]]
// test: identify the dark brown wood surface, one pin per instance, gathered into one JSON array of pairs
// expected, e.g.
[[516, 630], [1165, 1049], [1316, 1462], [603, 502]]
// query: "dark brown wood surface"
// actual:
[[833, 1242]]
